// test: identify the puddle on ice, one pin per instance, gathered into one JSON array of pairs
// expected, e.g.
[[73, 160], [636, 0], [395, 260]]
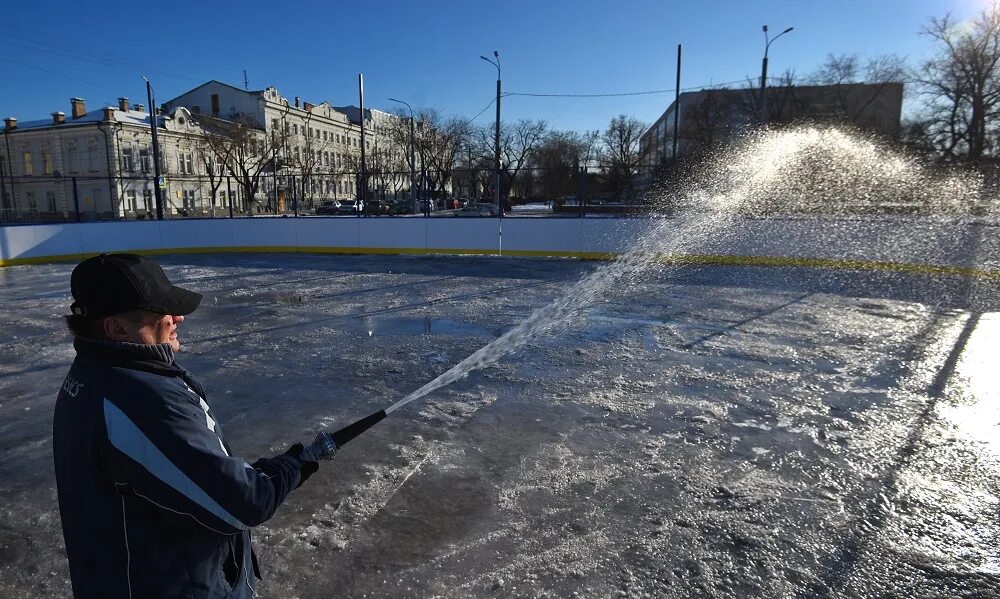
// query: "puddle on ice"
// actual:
[[411, 327]]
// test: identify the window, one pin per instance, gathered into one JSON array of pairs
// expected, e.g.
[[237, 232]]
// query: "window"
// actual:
[[50, 200], [326, 158], [286, 126], [72, 158], [130, 200], [274, 124], [295, 129], [47, 162], [92, 156], [324, 135], [128, 161], [298, 158], [147, 199], [29, 168], [189, 160], [29, 197], [144, 163]]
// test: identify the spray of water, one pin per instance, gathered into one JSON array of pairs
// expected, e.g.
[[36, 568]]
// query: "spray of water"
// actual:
[[811, 171]]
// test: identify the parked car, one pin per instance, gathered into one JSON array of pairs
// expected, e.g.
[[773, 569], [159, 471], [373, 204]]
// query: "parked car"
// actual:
[[478, 210], [379, 207], [401, 207], [327, 207], [347, 206]]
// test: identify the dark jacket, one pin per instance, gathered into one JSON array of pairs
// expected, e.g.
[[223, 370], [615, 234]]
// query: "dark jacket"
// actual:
[[153, 502]]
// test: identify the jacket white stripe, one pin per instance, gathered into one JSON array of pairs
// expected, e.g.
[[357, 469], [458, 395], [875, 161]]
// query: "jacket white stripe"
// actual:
[[127, 438]]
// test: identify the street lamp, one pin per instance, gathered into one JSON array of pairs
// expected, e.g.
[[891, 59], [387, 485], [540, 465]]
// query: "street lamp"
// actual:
[[156, 149], [763, 72], [496, 139], [413, 161]]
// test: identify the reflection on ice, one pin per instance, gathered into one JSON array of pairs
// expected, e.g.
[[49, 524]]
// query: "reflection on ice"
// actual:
[[978, 378]]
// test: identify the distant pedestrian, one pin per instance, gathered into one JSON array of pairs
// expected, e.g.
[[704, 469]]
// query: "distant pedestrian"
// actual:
[[153, 502]]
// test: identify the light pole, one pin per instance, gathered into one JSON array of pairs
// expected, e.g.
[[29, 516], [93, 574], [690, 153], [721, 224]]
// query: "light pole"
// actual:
[[496, 138], [413, 160], [763, 73], [156, 150]]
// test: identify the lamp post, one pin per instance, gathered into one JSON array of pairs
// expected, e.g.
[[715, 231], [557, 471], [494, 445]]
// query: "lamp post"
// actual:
[[413, 160], [156, 150], [763, 72], [496, 138]]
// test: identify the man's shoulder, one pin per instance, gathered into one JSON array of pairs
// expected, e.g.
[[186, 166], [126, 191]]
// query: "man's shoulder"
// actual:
[[128, 383]]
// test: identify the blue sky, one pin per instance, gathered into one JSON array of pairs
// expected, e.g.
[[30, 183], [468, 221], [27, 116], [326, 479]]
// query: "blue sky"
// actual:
[[427, 53]]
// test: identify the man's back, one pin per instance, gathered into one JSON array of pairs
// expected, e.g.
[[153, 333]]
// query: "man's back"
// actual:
[[131, 515]]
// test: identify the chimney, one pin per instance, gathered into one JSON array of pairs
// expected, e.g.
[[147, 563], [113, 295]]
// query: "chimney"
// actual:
[[58, 118], [109, 113], [123, 104], [298, 101], [139, 108], [79, 106], [10, 123]]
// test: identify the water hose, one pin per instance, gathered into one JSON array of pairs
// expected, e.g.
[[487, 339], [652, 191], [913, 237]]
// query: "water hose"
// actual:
[[354, 429]]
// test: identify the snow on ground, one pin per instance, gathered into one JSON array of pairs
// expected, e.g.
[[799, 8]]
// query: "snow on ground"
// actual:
[[718, 432]]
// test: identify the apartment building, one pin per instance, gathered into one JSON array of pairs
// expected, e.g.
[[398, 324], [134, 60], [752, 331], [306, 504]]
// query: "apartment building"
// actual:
[[98, 164], [319, 145]]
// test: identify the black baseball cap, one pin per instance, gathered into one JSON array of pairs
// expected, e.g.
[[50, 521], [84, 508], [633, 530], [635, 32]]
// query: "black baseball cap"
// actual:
[[114, 283]]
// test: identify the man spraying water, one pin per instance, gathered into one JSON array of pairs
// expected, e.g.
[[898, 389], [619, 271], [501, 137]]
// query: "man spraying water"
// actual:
[[153, 503]]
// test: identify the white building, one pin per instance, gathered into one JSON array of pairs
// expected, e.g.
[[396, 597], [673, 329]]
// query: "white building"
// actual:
[[319, 156], [99, 165]]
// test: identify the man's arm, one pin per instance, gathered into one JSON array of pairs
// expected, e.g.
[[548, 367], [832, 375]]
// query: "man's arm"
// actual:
[[168, 454]]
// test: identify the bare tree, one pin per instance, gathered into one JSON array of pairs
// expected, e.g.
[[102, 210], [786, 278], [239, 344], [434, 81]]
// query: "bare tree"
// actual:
[[213, 168], [246, 151], [844, 71], [621, 156], [439, 143], [517, 142], [709, 121], [555, 166], [783, 104], [962, 86], [836, 70]]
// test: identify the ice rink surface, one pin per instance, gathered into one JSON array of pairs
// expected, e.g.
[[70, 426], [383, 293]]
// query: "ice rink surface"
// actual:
[[713, 431]]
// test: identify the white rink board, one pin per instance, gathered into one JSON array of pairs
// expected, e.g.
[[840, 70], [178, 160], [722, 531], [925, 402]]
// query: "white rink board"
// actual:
[[907, 240]]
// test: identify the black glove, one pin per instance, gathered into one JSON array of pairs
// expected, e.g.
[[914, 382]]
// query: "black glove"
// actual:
[[322, 449]]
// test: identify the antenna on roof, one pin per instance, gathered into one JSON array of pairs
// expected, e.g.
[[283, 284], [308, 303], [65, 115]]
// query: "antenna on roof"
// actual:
[[246, 83]]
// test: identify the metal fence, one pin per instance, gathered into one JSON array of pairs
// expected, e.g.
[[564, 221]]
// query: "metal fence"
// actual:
[[459, 192]]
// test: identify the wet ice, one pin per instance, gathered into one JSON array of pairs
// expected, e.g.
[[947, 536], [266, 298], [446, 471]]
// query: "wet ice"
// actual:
[[698, 442]]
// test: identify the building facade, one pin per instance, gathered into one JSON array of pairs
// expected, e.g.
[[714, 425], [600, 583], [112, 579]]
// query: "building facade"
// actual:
[[317, 146], [94, 165], [708, 117], [222, 150]]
